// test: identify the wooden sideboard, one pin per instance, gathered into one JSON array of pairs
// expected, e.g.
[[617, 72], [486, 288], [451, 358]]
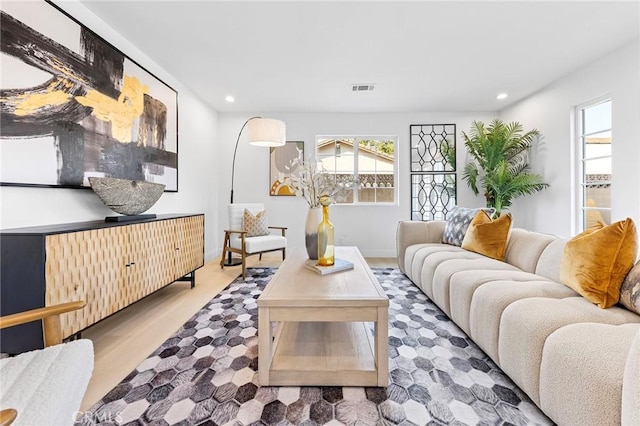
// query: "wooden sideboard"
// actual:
[[110, 265]]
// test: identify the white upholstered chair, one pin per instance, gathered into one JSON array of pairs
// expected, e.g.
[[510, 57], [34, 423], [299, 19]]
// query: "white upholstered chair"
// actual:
[[236, 240]]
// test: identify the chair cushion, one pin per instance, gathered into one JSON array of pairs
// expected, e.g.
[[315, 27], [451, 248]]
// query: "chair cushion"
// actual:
[[596, 261], [46, 386], [255, 225], [261, 243]]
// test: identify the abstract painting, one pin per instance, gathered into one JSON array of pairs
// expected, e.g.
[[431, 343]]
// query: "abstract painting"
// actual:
[[73, 106], [284, 161]]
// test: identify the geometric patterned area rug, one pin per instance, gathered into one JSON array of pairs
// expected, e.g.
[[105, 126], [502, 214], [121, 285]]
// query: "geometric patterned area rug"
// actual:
[[206, 373]]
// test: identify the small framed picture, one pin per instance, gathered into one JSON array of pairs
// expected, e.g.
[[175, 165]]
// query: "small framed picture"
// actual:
[[284, 161]]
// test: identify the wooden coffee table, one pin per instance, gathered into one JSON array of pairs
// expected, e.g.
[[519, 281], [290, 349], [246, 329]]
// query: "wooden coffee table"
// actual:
[[323, 335]]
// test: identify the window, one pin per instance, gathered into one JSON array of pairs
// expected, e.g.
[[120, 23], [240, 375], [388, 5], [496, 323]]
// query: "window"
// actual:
[[594, 177], [367, 161]]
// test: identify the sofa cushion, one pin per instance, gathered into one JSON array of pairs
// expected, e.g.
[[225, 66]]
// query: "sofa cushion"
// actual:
[[490, 300], [431, 263], [488, 237], [631, 385], [596, 261], [525, 325], [464, 284], [630, 290], [447, 269], [548, 265], [457, 223], [524, 248], [582, 371], [415, 255]]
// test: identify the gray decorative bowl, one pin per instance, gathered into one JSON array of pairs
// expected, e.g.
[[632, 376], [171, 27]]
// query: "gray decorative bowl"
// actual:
[[125, 196]]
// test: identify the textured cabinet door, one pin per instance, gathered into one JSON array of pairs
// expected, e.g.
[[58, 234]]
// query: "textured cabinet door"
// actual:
[[151, 251], [89, 266], [189, 248]]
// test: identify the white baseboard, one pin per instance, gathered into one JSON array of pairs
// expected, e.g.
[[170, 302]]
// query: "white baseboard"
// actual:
[[216, 253], [378, 253]]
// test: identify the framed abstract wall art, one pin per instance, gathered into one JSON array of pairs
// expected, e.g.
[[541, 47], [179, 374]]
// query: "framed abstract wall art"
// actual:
[[73, 106], [282, 163]]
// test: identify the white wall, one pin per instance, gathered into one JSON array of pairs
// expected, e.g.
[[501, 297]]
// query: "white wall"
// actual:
[[206, 141], [197, 179], [371, 228], [551, 111]]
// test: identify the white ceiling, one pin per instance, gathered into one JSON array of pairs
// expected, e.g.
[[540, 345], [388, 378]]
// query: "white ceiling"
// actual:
[[303, 56]]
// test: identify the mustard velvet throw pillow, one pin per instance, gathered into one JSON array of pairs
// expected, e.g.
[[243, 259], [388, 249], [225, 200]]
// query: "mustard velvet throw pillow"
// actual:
[[255, 226], [596, 261], [488, 237]]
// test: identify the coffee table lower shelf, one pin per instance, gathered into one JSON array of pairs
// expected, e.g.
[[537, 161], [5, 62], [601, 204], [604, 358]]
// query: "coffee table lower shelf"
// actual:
[[323, 354]]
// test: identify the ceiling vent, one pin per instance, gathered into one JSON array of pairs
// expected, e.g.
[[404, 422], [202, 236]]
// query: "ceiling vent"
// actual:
[[362, 87]]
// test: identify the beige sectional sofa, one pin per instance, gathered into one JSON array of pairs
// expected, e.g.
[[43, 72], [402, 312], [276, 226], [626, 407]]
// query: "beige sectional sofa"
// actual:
[[579, 363]]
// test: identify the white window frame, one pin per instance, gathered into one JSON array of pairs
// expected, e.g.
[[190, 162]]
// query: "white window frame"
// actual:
[[357, 138], [580, 178]]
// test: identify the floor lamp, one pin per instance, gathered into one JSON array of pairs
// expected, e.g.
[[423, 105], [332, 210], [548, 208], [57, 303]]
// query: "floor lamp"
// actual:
[[262, 132]]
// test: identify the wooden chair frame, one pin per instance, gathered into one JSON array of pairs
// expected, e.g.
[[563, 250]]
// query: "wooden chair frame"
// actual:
[[50, 316], [226, 247], [7, 416]]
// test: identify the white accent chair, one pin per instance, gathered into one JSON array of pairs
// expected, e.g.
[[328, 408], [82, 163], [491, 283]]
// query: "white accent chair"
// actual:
[[45, 386], [236, 241]]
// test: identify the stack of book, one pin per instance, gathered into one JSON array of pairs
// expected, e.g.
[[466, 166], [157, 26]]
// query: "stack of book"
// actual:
[[338, 265]]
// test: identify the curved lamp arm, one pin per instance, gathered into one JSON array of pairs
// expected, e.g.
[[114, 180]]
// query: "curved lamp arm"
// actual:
[[233, 165]]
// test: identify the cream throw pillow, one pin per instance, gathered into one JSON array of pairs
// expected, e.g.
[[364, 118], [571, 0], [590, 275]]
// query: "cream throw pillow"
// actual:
[[255, 225]]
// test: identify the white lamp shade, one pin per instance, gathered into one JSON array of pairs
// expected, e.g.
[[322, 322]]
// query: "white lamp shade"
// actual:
[[267, 132]]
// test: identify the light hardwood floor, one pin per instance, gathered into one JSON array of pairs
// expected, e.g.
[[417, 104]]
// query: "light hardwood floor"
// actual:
[[125, 339]]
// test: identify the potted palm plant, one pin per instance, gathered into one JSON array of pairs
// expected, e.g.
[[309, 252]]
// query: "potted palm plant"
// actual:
[[499, 162]]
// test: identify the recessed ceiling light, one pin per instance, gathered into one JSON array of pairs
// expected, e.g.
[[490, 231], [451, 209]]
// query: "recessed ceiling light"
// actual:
[[229, 98], [501, 96]]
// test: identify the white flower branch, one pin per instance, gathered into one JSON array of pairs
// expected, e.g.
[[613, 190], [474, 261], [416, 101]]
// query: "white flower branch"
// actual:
[[311, 182]]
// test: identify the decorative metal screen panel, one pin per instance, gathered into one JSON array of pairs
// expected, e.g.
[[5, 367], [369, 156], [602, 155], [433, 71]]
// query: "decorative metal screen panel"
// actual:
[[432, 195], [433, 170]]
